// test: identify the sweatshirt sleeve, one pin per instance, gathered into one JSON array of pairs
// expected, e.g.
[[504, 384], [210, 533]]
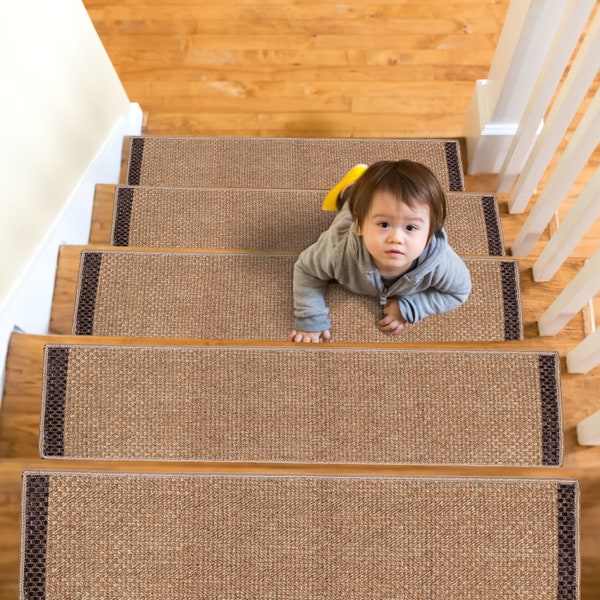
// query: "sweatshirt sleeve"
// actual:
[[312, 273], [310, 310], [314, 270], [449, 287]]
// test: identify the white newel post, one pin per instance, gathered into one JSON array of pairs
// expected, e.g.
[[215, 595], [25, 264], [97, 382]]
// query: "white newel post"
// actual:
[[498, 103]]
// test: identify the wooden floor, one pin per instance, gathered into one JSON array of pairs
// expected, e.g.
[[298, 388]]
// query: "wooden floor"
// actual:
[[305, 68], [302, 68]]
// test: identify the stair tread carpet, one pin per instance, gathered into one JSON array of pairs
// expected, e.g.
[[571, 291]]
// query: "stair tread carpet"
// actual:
[[249, 296], [301, 405], [275, 220], [297, 536], [285, 163]]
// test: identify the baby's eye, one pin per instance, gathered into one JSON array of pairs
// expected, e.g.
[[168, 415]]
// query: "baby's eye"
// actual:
[[411, 228], [383, 225]]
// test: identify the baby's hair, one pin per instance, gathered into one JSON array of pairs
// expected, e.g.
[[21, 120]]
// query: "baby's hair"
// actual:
[[411, 182]]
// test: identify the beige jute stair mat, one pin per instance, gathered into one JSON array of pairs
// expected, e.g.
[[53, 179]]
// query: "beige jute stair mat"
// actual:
[[285, 163], [301, 405], [185, 535], [275, 220], [249, 296]]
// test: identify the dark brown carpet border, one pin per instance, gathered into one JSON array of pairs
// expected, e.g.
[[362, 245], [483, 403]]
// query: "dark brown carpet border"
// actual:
[[493, 226]]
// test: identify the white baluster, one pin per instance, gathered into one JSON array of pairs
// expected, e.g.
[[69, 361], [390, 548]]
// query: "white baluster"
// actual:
[[576, 155], [582, 215], [588, 431], [584, 286], [580, 76], [564, 44], [586, 355]]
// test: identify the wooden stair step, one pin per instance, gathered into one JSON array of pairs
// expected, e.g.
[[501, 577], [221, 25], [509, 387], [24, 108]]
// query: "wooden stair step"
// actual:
[[284, 163], [269, 220], [21, 407], [152, 293], [297, 536], [301, 404]]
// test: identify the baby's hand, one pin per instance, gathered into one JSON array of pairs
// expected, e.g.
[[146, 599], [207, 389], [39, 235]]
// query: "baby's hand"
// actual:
[[393, 322], [310, 336]]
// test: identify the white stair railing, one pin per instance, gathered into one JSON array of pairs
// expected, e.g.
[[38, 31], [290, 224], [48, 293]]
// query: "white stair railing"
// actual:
[[582, 215], [565, 41], [574, 158], [533, 147], [577, 82], [573, 298]]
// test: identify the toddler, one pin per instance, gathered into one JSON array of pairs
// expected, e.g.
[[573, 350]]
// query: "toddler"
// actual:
[[387, 241]]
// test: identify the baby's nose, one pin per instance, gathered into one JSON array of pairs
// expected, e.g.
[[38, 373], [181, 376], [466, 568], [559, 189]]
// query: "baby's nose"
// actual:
[[396, 234]]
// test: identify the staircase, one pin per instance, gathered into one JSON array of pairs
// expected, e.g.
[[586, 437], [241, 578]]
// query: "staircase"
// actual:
[[133, 304]]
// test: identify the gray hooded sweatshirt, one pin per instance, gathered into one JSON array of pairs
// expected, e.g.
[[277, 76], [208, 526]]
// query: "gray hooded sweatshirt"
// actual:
[[437, 283]]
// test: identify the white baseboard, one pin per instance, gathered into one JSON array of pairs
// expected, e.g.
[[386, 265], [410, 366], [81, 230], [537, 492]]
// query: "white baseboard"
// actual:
[[27, 307]]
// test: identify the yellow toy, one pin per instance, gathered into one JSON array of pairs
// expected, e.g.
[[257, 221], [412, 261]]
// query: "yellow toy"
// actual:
[[331, 199]]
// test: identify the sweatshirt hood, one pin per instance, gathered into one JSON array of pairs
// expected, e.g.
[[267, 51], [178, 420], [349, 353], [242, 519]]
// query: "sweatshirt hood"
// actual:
[[430, 257]]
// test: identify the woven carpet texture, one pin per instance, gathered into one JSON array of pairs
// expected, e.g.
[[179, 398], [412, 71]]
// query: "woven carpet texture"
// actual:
[[269, 220], [283, 163], [249, 296], [300, 405], [243, 208], [173, 536]]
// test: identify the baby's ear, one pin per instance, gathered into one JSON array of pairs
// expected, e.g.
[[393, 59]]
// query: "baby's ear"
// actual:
[[358, 228]]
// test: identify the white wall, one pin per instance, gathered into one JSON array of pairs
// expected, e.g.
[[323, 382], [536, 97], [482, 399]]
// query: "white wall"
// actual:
[[63, 115]]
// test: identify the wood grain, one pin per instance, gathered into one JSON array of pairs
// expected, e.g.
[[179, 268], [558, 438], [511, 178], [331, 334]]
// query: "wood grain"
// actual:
[[387, 68], [303, 68]]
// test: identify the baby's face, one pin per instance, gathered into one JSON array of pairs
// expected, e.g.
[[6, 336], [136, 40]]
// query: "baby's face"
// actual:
[[394, 233]]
